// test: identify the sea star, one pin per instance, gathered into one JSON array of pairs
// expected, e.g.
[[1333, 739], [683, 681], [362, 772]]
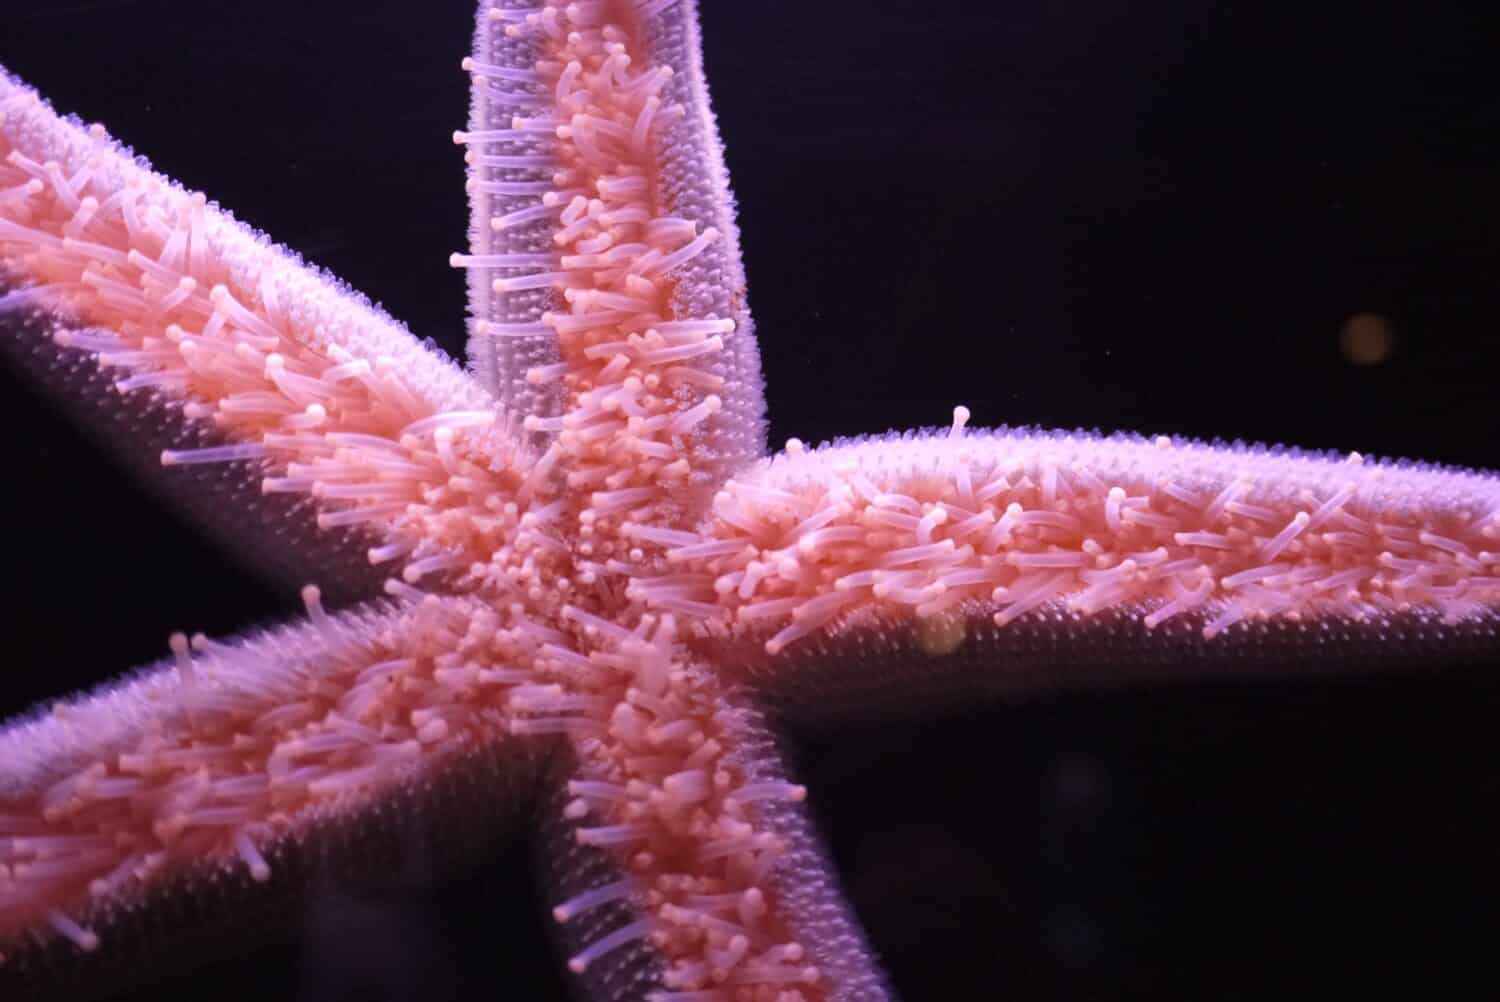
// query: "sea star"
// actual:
[[1104, 512]]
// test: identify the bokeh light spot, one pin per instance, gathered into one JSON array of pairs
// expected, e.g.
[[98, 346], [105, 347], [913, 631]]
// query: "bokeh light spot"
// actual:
[[1367, 339]]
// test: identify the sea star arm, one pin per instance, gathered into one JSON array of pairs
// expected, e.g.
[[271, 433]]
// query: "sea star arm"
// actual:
[[604, 272], [237, 776], [208, 350], [1073, 557], [774, 916]]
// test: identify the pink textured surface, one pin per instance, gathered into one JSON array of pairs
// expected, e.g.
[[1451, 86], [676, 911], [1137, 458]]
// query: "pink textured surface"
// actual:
[[1442, 584]]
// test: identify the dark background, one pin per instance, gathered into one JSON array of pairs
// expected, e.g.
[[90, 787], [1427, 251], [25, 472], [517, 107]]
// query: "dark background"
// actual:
[[1153, 215]]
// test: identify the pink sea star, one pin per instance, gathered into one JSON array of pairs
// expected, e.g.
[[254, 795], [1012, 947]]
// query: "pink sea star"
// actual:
[[1271, 542]]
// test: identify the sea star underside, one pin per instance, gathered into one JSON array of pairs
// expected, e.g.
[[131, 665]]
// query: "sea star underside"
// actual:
[[595, 584]]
